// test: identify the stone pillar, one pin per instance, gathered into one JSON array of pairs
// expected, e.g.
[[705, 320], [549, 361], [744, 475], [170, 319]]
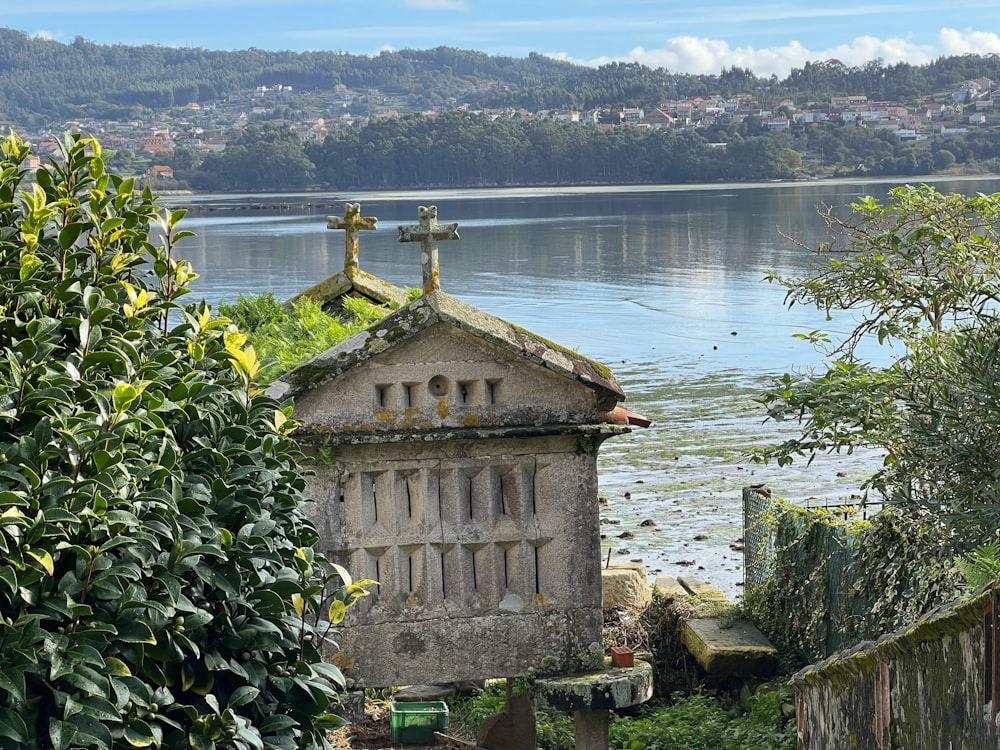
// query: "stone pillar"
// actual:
[[591, 729]]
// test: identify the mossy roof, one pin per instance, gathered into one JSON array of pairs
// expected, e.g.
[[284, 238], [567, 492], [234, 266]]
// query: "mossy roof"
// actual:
[[437, 308], [356, 281]]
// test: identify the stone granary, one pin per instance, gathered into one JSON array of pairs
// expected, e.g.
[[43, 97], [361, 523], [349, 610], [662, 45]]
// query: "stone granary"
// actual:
[[458, 468]]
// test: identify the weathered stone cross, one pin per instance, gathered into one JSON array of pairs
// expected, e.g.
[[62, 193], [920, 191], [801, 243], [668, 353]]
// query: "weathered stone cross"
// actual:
[[352, 222], [428, 233]]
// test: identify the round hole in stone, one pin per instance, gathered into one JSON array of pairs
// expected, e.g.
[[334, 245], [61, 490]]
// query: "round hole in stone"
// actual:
[[439, 386]]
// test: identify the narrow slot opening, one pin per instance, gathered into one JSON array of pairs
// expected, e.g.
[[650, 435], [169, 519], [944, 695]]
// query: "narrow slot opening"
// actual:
[[505, 578], [538, 583], [475, 578], [374, 500], [492, 386], [464, 392], [409, 563], [408, 395], [469, 494], [409, 500], [378, 576], [503, 500], [380, 395], [444, 588]]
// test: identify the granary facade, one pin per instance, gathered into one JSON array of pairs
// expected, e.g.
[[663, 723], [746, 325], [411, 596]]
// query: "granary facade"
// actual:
[[457, 466]]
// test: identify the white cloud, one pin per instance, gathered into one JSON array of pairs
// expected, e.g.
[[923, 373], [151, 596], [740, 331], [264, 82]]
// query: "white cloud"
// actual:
[[954, 42], [459, 5], [703, 55], [43, 34]]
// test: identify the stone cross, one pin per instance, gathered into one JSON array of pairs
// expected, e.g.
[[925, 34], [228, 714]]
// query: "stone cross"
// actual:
[[352, 222], [428, 233]]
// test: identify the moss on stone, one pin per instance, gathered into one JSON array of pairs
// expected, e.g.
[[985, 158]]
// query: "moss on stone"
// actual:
[[601, 369], [863, 659]]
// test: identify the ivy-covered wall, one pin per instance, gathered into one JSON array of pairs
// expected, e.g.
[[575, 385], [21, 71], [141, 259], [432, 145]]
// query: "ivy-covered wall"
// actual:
[[921, 687], [825, 579]]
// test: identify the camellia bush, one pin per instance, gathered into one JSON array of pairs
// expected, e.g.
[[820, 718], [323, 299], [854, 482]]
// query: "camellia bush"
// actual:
[[157, 582]]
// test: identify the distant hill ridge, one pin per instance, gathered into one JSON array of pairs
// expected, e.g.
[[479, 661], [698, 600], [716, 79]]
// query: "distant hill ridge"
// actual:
[[44, 79]]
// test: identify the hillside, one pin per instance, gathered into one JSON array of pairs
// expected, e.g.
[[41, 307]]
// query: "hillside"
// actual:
[[45, 80]]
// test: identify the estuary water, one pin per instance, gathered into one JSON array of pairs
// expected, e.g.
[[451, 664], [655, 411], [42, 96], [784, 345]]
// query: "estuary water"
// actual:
[[664, 285]]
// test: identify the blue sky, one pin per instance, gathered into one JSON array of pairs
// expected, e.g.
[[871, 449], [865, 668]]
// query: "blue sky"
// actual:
[[701, 36]]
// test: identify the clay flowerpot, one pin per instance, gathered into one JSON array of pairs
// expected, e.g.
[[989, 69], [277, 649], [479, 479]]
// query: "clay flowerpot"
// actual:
[[622, 657]]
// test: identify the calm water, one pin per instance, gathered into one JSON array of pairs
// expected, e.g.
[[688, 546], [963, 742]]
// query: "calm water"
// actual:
[[665, 286]]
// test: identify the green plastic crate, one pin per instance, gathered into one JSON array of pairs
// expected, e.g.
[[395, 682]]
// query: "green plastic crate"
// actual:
[[414, 723]]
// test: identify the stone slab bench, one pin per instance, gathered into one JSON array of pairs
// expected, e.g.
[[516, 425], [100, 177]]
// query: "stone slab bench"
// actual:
[[592, 696], [723, 644]]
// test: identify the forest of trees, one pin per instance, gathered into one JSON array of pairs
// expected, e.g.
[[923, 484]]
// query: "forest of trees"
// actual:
[[43, 78], [460, 149]]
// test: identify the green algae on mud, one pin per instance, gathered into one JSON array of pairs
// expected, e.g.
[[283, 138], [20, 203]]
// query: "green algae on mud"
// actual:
[[672, 493]]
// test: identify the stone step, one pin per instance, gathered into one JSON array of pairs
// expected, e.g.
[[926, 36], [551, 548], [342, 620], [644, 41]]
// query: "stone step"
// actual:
[[723, 644], [729, 648], [703, 591], [707, 598]]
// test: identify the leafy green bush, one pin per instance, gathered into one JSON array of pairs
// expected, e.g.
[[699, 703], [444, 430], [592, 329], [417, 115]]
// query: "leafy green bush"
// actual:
[[708, 722], [982, 565], [254, 312], [157, 584], [833, 581], [284, 337], [920, 272]]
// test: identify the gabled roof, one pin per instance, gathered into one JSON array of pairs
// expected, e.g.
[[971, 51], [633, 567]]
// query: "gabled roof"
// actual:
[[331, 291], [407, 322], [352, 281]]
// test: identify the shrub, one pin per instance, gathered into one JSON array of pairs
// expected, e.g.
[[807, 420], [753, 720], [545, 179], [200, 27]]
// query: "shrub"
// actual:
[[157, 584], [286, 337], [709, 722], [832, 580]]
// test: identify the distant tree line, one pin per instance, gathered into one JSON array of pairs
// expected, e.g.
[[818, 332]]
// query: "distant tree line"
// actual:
[[42, 78], [461, 149]]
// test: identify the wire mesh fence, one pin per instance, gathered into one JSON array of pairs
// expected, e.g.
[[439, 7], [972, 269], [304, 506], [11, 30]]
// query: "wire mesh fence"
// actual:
[[759, 523], [758, 535]]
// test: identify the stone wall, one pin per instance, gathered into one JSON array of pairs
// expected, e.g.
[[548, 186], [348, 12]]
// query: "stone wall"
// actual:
[[922, 687]]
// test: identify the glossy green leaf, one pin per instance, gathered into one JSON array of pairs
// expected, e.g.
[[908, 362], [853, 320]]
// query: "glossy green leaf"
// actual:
[[243, 695], [135, 631], [12, 726]]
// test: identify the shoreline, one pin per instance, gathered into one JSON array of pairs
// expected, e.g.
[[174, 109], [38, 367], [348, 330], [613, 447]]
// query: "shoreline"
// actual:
[[271, 201]]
